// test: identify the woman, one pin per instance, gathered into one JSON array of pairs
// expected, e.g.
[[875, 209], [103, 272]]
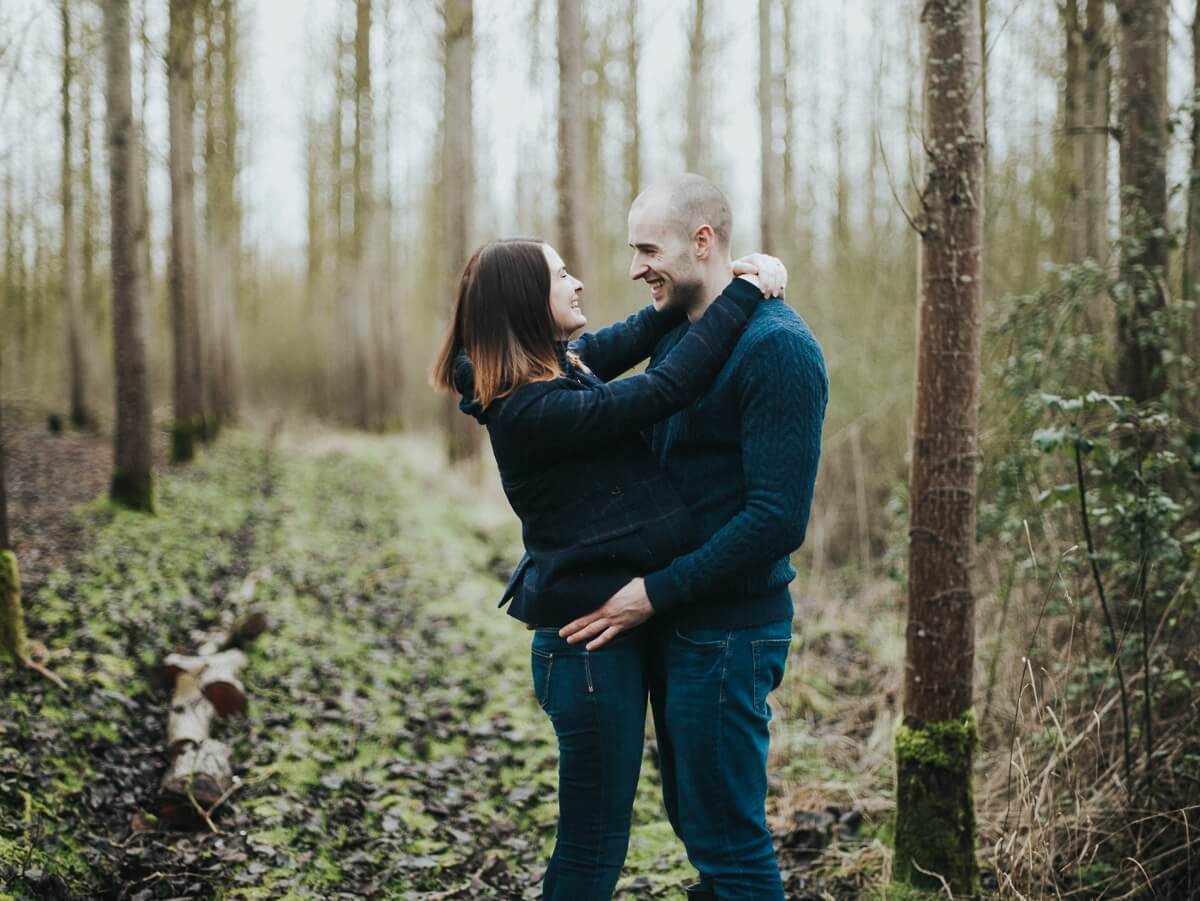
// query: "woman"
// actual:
[[596, 508]]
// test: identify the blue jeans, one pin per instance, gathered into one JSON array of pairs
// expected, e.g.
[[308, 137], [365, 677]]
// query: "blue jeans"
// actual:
[[708, 690], [597, 704]]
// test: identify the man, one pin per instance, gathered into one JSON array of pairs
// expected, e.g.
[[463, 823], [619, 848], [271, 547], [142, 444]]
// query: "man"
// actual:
[[744, 458]]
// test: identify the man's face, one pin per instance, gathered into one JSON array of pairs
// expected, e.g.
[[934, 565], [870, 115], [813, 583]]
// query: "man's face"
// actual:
[[663, 256]]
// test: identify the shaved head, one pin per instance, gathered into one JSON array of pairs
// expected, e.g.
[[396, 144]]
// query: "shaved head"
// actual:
[[688, 201]]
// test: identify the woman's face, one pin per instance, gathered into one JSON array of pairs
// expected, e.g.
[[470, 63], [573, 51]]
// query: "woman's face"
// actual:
[[565, 291]]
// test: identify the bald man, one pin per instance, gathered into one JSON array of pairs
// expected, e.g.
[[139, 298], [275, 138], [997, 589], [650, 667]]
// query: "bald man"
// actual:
[[744, 458]]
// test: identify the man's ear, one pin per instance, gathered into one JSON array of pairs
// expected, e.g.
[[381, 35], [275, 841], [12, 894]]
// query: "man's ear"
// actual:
[[703, 242]]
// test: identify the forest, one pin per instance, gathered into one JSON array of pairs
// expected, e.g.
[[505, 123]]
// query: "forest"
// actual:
[[250, 557]]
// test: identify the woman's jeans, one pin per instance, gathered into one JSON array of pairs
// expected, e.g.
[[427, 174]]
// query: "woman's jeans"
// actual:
[[597, 703]]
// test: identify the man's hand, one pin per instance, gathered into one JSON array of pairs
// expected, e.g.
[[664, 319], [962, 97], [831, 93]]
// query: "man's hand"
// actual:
[[768, 273], [627, 608]]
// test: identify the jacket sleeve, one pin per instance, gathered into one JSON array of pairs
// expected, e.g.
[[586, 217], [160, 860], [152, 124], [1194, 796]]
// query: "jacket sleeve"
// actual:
[[783, 395], [618, 348], [557, 421]]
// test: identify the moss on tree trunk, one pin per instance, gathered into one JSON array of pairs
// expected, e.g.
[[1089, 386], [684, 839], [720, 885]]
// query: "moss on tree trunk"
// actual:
[[12, 618], [132, 492], [935, 812]]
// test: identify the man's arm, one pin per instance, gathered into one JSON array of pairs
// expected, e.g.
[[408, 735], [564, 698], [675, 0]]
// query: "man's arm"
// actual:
[[783, 398], [618, 348]]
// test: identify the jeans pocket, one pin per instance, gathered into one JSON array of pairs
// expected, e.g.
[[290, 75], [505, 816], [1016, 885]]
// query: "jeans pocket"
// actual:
[[770, 659], [541, 664]]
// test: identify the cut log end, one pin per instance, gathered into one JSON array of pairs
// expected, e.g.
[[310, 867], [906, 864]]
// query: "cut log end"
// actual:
[[200, 776]]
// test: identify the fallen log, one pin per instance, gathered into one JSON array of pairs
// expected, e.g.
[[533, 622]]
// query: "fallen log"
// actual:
[[216, 676], [198, 779], [191, 716]]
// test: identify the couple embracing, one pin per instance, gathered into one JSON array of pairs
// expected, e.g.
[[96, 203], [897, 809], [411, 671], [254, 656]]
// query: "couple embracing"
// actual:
[[658, 514]]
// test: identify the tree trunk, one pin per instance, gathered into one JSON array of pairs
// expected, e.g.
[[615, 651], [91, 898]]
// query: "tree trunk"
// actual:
[[695, 139], [935, 820], [361, 298], [766, 112], [571, 183], [633, 132], [1085, 122], [1142, 92], [132, 483], [81, 414], [463, 435], [1191, 260], [185, 321]]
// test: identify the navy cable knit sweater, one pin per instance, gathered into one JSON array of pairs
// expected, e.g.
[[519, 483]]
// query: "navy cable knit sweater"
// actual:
[[744, 458]]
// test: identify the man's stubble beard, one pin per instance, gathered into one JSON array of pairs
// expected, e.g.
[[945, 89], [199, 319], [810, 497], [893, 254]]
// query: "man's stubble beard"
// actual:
[[686, 295]]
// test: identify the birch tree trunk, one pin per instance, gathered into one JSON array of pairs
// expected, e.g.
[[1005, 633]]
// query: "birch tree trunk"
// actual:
[[132, 483], [362, 391], [571, 183], [766, 111], [463, 435], [935, 819], [1142, 92], [81, 414], [185, 320], [694, 139]]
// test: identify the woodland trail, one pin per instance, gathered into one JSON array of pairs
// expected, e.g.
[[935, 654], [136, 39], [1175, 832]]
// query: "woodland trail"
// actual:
[[392, 747]]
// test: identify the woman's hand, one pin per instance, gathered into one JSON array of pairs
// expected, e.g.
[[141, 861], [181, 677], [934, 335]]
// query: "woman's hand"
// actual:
[[767, 272], [627, 608]]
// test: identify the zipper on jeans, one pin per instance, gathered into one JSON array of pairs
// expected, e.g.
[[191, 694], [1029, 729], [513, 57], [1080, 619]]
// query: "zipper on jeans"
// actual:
[[587, 670]]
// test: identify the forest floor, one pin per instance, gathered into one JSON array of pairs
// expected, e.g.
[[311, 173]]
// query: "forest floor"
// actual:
[[392, 745]]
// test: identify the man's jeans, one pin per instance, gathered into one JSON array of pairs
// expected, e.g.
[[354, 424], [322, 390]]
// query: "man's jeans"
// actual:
[[708, 690], [597, 703]]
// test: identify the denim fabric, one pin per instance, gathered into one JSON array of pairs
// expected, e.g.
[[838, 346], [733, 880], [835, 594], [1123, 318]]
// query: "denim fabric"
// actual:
[[708, 690], [597, 704]]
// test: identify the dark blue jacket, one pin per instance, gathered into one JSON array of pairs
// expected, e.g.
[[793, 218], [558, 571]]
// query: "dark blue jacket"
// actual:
[[596, 508]]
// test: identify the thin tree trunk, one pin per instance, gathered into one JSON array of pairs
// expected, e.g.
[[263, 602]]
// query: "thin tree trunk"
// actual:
[[463, 436], [572, 149], [1191, 260], [1085, 121], [361, 381], [633, 132], [695, 138], [184, 300], [789, 211], [935, 820], [766, 111], [1142, 90], [144, 144], [81, 415], [132, 483]]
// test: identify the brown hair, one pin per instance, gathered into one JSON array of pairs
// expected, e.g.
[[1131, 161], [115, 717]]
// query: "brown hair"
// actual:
[[502, 320]]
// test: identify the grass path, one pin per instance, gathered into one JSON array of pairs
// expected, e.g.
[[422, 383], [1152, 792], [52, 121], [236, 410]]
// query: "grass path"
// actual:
[[392, 746]]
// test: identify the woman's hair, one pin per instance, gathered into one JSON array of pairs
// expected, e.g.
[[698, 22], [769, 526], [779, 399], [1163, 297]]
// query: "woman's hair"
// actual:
[[502, 320]]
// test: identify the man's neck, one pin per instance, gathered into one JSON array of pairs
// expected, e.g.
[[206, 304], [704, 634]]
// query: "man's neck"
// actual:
[[716, 277]]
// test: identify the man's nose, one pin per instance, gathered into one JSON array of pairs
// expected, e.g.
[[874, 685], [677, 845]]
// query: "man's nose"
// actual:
[[637, 269]]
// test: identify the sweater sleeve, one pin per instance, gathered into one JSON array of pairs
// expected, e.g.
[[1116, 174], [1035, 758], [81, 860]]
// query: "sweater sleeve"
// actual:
[[618, 348], [783, 392], [557, 421]]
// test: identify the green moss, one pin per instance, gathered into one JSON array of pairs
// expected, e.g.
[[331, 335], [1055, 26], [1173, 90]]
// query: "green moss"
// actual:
[[12, 617], [131, 492], [935, 807]]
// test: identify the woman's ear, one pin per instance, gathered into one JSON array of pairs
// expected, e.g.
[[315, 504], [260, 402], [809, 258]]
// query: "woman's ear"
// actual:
[[703, 241]]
